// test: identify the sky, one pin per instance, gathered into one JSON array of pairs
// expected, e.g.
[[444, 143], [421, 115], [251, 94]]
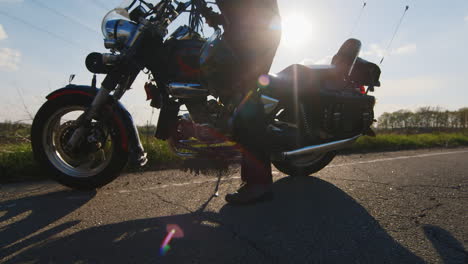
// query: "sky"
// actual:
[[42, 42]]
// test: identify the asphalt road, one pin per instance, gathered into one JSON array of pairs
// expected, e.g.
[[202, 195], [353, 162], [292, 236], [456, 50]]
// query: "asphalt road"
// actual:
[[399, 207]]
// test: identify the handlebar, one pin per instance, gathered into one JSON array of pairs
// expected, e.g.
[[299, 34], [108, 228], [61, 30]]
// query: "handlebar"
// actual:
[[207, 12]]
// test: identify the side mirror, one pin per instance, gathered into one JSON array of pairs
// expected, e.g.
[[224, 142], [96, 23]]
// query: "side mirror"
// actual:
[[137, 13], [70, 80]]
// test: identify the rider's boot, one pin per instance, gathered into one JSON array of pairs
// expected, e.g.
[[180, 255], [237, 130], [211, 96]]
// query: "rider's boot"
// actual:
[[250, 193]]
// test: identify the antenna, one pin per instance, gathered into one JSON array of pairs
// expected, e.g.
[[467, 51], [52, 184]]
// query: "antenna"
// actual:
[[358, 20], [395, 33]]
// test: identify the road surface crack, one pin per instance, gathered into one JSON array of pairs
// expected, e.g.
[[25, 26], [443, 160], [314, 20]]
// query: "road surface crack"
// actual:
[[428, 209], [173, 203]]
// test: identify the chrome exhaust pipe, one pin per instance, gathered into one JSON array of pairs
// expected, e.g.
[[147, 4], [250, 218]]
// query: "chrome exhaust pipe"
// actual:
[[322, 148], [186, 90]]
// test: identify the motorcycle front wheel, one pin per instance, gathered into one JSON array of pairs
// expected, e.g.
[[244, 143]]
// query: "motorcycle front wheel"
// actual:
[[305, 166], [100, 156]]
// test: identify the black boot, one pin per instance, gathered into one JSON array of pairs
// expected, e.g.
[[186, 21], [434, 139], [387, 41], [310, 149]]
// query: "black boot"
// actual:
[[250, 193]]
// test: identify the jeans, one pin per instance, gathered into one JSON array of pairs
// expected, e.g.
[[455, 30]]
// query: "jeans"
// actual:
[[249, 127]]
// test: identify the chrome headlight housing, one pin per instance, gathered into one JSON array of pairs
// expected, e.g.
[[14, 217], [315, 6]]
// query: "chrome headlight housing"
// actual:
[[118, 29]]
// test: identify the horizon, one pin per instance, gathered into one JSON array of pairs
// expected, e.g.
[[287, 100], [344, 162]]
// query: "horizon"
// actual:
[[42, 43]]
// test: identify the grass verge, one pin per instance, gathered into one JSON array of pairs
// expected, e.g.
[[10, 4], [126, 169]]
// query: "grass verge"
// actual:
[[390, 142], [17, 163]]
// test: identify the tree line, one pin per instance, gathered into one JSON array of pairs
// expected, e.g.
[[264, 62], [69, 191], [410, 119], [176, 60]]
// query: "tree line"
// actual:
[[425, 119]]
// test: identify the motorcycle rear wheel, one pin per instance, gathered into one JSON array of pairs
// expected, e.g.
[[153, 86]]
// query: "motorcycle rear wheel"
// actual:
[[305, 167], [92, 168]]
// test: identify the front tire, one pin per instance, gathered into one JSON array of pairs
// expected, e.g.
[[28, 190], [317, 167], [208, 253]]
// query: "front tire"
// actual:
[[97, 164], [305, 167]]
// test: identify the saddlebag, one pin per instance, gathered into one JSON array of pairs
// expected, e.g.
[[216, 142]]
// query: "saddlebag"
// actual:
[[329, 110], [338, 114]]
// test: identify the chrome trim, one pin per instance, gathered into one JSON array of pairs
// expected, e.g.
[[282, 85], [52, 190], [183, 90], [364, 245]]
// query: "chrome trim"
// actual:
[[320, 66], [110, 43], [298, 153], [186, 90], [269, 103], [57, 155], [125, 30], [135, 35], [110, 59], [286, 123], [109, 27], [121, 33]]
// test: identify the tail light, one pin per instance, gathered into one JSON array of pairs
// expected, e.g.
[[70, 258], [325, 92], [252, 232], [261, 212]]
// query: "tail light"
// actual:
[[362, 89]]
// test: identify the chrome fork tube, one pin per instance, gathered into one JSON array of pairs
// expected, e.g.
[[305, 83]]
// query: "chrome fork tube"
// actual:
[[99, 100]]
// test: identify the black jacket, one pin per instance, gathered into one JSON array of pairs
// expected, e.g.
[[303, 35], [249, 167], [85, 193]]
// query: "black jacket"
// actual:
[[251, 14]]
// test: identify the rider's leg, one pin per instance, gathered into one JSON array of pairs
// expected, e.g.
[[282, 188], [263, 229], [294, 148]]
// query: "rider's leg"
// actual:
[[254, 35], [250, 127], [249, 131]]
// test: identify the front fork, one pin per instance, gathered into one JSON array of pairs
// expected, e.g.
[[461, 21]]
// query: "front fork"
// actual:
[[137, 153], [84, 120]]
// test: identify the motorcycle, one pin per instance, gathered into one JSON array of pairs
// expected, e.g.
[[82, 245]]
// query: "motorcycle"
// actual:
[[85, 137]]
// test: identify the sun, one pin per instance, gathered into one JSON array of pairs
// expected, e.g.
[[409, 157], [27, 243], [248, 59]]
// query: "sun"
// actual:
[[296, 29]]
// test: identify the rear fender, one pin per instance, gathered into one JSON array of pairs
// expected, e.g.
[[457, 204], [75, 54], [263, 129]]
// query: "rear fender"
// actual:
[[129, 133]]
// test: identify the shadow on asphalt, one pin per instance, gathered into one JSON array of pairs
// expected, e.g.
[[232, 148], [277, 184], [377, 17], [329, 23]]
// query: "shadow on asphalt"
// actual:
[[449, 248], [33, 213], [309, 221]]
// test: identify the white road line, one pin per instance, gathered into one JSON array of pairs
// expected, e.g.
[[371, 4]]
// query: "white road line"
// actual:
[[174, 185], [276, 172], [398, 158]]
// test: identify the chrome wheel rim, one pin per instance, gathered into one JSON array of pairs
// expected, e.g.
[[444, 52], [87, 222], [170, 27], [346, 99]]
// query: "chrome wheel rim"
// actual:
[[78, 166]]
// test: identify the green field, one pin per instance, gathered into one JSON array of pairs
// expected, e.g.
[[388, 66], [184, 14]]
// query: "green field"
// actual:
[[17, 163], [392, 142]]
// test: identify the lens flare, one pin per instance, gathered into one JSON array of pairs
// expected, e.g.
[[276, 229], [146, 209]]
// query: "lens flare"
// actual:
[[263, 81], [165, 245], [173, 231], [297, 31], [164, 250]]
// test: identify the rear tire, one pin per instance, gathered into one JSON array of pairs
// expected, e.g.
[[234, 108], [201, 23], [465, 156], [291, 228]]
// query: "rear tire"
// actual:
[[306, 168], [112, 166]]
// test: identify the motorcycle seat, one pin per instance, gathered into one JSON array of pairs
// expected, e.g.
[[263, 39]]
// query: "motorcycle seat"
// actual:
[[298, 78]]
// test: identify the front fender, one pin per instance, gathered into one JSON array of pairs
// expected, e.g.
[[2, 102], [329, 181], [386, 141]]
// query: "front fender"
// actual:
[[73, 89], [130, 138]]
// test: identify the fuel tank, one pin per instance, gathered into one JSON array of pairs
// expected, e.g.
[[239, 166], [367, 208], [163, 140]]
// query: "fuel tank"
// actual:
[[184, 60]]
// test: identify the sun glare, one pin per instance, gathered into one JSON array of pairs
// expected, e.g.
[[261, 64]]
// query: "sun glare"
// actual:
[[296, 30]]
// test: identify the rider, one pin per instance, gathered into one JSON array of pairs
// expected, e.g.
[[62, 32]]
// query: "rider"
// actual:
[[252, 30]]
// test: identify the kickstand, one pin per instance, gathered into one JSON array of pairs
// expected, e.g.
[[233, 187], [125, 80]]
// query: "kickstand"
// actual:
[[216, 194]]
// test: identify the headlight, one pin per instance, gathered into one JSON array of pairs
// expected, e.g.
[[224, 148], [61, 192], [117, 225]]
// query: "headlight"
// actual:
[[117, 28]]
